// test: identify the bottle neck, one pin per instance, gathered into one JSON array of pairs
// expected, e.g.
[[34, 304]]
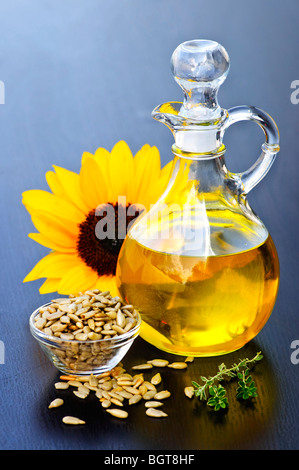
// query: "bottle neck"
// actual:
[[206, 172]]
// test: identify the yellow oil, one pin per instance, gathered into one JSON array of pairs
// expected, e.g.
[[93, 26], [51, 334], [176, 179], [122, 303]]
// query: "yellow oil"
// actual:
[[200, 306]]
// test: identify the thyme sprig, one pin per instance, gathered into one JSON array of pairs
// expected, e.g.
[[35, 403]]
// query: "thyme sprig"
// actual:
[[215, 394]]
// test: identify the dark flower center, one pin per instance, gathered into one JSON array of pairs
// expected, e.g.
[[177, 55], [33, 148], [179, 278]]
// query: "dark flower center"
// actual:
[[101, 236]]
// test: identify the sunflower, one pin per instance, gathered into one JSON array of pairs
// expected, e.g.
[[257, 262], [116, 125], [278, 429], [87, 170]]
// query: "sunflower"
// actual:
[[66, 218]]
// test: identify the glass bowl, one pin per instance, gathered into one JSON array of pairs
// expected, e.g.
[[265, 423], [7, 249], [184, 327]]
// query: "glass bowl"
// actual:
[[74, 357]]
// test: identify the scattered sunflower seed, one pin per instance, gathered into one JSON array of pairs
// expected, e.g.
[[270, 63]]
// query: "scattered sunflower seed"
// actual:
[[115, 386], [189, 392], [189, 359], [158, 362], [153, 404], [72, 420], [61, 385], [156, 379], [154, 413], [80, 394], [178, 365], [149, 394], [117, 412], [134, 399], [143, 366], [106, 403], [55, 403], [161, 395]]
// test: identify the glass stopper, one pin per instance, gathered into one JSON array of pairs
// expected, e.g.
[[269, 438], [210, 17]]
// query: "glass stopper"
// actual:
[[200, 66]]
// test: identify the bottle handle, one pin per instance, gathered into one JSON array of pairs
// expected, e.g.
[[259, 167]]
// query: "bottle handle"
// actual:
[[270, 147]]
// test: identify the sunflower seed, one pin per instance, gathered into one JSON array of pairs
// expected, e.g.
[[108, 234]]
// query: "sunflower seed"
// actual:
[[118, 413], [143, 366], [72, 309], [161, 395], [149, 394], [159, 362], [178, 365], [55, 403], [149, 385], [107, 385], [82, 310], [79, 394], [106, 403], [83, 389], [116, 396], [72, 420], [91, 323], [134, 399], [154, 413], [73, 317], [116, 402], [81, 336], [189, 392], [64, 308], [153, 404], [138, 382], [40, 323], [94, 336], [67, 336], [93, 380], [65, 319], [142, 389], [57, 327], [118, 329], [120, 319], [61, 385], [132, 390], [125, 383], [127, 395], [156, 379], [74, 383], [87, 315], [189, 359]]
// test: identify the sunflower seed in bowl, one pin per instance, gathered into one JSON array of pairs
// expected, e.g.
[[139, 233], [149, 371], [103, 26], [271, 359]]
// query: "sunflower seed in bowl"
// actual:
[[85, 334]]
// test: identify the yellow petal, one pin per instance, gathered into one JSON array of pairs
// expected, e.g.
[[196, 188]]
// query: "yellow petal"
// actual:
[[53, 265], [166, 172], [47, 242], [101, 156], [122, 173], [93, 183], [50, 285], [43, 201], [61, 233], [54, 184], [70, 182], [77, 279], [85, 155], [148, 168]]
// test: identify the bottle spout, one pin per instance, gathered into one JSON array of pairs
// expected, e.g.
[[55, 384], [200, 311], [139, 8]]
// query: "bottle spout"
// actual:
[[199, 67]]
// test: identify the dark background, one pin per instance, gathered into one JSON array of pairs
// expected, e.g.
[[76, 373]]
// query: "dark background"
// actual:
[[80, 75]]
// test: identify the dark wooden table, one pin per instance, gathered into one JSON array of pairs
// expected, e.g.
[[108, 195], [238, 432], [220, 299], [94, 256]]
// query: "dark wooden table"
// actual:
[[82, 75]]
